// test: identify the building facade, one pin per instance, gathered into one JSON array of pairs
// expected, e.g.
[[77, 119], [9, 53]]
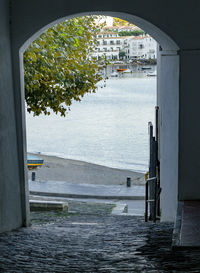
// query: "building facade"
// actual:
[[111, 46], [144, 47]]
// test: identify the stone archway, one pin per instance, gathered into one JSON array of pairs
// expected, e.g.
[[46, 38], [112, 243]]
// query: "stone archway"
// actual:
[[23, 34], [167, 91]]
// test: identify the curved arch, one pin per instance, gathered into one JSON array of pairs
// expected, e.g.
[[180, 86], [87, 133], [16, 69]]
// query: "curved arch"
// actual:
[[167, 98], [161, 37]]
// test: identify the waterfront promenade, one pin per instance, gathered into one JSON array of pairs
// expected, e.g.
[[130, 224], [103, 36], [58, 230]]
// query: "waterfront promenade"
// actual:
[[65, 189]]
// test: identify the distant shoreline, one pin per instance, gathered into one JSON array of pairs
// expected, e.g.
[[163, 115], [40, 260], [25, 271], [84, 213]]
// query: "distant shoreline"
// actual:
[[76, 171]]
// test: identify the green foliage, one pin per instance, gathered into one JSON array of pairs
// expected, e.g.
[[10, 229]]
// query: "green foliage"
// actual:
[[57, 69], [121, 22], [131, 33], [122, 54]]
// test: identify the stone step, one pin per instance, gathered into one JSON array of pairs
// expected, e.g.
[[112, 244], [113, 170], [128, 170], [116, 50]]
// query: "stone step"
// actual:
[[187, 226], [37, 205]]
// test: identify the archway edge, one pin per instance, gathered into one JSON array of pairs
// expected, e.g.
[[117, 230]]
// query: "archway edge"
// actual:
[[161, 37]]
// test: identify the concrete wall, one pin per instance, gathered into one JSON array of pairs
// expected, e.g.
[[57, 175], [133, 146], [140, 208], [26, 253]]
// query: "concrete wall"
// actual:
[[168, 102], [161, 19], [189, 145], [11, 215]]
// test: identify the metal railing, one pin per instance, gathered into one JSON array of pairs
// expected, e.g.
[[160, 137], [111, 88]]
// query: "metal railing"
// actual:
[[155, 201], [153, 189]]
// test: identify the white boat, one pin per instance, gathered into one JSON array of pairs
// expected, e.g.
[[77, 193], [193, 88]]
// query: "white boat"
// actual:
[[146, 67], [152, 74], [128, 71], [114, 74]]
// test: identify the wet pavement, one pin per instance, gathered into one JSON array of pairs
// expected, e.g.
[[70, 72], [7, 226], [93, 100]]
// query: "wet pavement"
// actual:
[[93, 241]]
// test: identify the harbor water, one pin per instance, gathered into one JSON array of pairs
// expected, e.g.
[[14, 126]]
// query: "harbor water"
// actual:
[[109, 127]]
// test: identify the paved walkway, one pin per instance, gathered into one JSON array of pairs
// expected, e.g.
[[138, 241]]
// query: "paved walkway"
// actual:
[[65, 189], [92, 243]]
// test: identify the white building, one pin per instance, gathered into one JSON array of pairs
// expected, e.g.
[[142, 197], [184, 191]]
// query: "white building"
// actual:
[[121, 28], [107, 20], [142, 48], [109, 45]]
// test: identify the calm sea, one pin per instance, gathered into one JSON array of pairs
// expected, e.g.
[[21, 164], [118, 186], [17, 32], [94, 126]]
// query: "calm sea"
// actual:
[[109, 127]]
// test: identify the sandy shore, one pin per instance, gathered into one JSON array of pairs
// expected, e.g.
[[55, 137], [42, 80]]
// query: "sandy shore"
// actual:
[[74, 171]]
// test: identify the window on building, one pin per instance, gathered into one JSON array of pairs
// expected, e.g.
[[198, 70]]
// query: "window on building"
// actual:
[[118, 42], [98, 42], [112, 42], [104, 42], [105, 49]]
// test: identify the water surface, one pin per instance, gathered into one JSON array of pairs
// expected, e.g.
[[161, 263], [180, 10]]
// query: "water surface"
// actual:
[[109, 127]]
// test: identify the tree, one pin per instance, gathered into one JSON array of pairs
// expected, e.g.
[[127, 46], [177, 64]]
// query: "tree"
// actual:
[[57, 69], [122, 54], [131, 33], [121, 22]]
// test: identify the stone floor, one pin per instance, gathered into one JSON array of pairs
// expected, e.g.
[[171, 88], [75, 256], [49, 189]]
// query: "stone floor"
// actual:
[[93, 241]]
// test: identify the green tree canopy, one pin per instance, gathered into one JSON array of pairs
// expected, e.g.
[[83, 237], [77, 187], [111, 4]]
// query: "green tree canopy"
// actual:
[[57, 69], [132, 33], [122, 54]]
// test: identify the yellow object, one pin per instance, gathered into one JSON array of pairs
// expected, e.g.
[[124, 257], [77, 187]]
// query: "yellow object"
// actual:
[[146, 176], [36, 164]]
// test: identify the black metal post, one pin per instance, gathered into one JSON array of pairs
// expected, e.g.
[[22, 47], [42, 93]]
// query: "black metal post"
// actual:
[[146, 201], [128, 182], [156, 122], [155, 200], [152, 167], [33, 176], [157, 155]]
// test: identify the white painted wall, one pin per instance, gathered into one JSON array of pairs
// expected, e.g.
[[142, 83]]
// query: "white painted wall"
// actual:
[[143, 47], [168, 102], [24, 20], [11, 201]]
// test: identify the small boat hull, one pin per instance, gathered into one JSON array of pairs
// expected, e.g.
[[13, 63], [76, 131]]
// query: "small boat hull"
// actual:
[[34, 162], [146, 68], [121, 69]]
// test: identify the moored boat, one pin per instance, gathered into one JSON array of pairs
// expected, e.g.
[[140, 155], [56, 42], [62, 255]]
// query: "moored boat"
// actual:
[[152, 74], [34, 161], [128, 71], [114, 74], [146, 67], [121, 69]]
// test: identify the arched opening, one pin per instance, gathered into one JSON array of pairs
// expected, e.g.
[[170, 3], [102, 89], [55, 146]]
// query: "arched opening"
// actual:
[[167, 100]]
